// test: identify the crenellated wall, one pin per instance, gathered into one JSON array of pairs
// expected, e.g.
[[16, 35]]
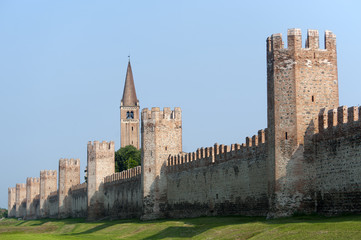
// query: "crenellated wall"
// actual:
[[122, 191], [219, 180], [308, 160], [337, 156], [79, 201]]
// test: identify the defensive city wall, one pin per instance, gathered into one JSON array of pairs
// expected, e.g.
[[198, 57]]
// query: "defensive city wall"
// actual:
[[307, 160]]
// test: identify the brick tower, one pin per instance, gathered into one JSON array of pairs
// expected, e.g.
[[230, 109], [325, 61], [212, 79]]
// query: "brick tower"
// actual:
[[300, 82], [161, 137], [69, 175], [129, 113], [32, 190], [100, 164]]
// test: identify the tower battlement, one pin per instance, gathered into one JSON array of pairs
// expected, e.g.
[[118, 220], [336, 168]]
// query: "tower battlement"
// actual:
[[31, 180], [100, 146], [69, 162], [48, 173], [294, 41], [156, 114]]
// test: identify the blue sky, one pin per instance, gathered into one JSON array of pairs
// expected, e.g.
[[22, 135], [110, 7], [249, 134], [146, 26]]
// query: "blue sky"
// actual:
[[63, 63]]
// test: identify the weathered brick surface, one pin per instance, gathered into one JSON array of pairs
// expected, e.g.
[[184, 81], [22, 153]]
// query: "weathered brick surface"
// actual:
[[32, 190], [337, 153], [100, 164], [12, 202], [234, 181], [53, 203], [20, 198], [69, 175], [161, 137], [79, 201], [300, 82], [122, 191], [48, 184]]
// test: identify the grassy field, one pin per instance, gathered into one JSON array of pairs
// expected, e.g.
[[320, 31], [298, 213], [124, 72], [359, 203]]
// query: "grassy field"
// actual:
[[237, 227]]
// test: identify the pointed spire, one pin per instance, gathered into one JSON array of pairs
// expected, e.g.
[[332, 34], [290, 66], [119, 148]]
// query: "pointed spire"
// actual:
[[129, 95]]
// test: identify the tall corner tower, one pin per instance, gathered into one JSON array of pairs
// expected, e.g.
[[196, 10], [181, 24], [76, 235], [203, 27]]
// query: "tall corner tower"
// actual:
[[129, 113], [300, 82]]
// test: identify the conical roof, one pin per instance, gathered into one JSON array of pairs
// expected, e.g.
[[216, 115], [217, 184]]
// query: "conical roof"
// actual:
[[129, 95]]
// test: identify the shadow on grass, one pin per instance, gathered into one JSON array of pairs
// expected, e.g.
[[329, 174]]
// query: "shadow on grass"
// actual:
[[193, 226]]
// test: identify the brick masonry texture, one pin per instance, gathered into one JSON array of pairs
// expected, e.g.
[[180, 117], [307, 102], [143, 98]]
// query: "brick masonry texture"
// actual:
[[307, 160]]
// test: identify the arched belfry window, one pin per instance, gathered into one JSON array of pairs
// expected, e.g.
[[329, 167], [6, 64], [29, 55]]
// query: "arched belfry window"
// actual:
[[130, 115]]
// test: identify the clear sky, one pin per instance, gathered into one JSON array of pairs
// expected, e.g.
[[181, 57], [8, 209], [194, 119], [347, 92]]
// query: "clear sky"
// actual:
[[63, 64]]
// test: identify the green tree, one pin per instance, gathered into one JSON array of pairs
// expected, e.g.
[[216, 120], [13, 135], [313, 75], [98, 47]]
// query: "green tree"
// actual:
[[126, 158]]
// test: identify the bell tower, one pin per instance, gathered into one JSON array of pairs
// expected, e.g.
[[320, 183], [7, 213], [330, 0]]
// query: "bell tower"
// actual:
[[129, 113]]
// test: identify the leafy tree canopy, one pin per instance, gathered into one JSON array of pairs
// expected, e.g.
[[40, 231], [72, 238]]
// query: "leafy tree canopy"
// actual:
[[126, 158]]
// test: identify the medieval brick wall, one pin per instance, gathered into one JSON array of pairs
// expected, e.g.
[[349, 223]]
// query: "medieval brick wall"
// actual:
[[79, 201], [20, 198], [69, 175], [337, 156], [122, 191], [32, 190], [12, 202], [48, 184], [53, 204], [308, 160], [220, 180]]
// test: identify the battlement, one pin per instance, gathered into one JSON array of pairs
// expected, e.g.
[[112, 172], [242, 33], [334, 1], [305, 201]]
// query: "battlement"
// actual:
[[341, 117], [69, 162], [79, 186], [32, 180], [166, 114], [294, 40], [100, 146], [125, 175], [20, 185], [11, 190], [47, 173], [218, 153]]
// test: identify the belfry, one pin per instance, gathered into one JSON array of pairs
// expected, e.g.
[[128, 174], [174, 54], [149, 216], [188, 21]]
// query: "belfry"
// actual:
[[129, 113]]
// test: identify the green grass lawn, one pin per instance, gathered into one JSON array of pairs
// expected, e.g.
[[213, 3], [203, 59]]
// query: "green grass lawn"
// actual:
[[236, 227]]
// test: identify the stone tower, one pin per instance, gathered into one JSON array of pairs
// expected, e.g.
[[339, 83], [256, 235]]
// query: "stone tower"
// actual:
[[161, 137], [101, 163], [300, 82], [20, 200], [11, 202], [129, 113], [32, 190], [48, 184], [69, 175]]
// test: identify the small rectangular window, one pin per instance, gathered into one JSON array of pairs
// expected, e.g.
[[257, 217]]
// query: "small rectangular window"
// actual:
[[313, 98], [286, 137]]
